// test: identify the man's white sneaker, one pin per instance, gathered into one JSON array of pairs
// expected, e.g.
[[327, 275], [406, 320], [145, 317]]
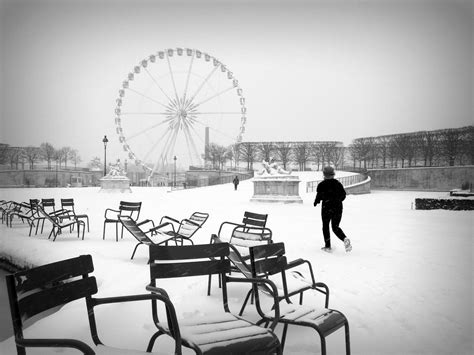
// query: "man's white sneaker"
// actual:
[[347, 244], [326, 249]]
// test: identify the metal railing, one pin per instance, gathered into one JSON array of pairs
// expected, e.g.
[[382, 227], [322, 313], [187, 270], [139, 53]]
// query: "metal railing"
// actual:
[[345, 181]]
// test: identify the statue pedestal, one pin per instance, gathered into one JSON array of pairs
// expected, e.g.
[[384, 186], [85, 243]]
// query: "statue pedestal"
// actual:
[[276, 188], [115, 184]]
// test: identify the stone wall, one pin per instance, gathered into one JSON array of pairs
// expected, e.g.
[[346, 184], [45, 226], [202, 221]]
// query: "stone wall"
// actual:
[[430, 179], [362, 187], [47, 178]]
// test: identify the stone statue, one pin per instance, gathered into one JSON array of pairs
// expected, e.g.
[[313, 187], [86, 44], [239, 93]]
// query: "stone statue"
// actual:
[[116, 169], [272, 168]]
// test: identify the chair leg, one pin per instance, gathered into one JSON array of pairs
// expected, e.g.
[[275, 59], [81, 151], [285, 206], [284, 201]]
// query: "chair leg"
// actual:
[[323, 344], [103, 233], [348, 340], [134, 250], [301, 298], [283, 336], [116, 232], [209, 285], [83, 229], [151, 343], [245, 301], [42, 225]]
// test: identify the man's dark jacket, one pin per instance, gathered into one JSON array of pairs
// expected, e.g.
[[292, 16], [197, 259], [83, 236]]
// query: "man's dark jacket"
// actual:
[[331, 193]]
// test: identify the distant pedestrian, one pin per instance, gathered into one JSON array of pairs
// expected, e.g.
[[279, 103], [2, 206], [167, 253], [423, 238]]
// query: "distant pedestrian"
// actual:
[[331, 193], [236, 182]]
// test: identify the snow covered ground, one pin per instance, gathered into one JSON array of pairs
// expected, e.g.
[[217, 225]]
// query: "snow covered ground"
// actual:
[[406, 288]]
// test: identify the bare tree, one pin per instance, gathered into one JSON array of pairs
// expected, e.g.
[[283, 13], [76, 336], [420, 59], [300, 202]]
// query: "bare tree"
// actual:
[[336, 155], [32, 154], [283, 152], [3, 153], [316, 154], [265, 151], [47, 153], [14, 155], [65, 155], [383, 145], [75, 158], [468, 146], [248, 153], [360, 150], [302, 154], [450, 140], [95, 163]]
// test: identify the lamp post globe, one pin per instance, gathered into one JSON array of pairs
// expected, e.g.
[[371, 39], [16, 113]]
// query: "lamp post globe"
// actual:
[[105, 141]]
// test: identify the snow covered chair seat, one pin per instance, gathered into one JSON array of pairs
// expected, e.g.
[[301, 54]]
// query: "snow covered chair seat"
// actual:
[[220, 332], [270, 260], [45, 287], [134, 229], [183, 230]]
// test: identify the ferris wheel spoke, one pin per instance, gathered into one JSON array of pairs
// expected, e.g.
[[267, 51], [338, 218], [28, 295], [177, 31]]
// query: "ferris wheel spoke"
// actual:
[[187, 78], [191, 140], [144, 113], [148, 97], [169, 146], [157, 84], [188, 144], [217, 113], [202, 84], [168, 131], [145, 130], [213, 96], [172, 77]]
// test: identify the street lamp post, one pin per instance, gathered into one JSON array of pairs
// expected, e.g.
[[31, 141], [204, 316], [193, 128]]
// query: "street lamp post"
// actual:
[[105, 141], [175, 170]]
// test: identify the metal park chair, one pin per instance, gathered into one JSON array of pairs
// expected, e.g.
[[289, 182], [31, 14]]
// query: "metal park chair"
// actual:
[[219, 333], [67, 204], [131, 209], [142, 237], [42, 288], [181, 230], [296, 284], [49, 207], [25, 212], [267, 260], [252, 231], [59, 225]]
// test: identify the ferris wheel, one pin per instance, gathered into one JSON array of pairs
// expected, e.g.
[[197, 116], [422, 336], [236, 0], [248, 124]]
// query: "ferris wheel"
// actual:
[[172, 104]]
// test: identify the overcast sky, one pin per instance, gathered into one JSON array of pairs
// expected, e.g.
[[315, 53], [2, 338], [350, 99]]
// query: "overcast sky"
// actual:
[[309, 70]]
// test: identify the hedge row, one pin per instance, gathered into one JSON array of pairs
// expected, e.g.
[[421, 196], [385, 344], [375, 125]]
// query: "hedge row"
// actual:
[[444, 204]]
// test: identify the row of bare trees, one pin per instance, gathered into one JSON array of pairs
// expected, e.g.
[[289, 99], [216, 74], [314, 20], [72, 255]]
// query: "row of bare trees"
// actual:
[[445, 147], [29, 157], [299, 153]]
